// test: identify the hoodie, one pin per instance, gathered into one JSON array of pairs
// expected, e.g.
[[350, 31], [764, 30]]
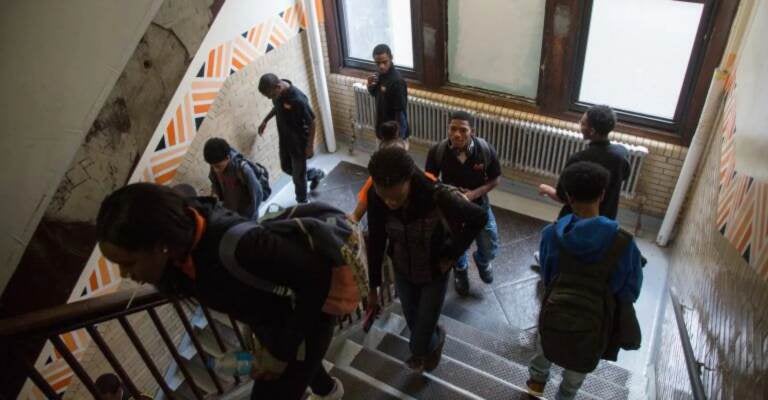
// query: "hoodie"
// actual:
[[294, 117], [588, 239]]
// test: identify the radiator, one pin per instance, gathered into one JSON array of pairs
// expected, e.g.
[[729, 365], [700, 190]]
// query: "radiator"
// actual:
[[524, 145]]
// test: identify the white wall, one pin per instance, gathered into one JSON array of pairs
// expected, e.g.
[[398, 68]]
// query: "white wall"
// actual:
[[60, 61]]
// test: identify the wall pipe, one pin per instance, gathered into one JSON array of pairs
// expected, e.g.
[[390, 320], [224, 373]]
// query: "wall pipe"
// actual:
[[318, 67]]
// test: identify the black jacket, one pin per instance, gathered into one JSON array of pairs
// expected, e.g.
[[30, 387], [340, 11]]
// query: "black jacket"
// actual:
[[280, 259], [417, 232]]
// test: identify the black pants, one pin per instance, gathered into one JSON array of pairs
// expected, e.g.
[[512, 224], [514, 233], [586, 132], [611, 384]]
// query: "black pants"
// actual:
[[300, 374], [294, 163]]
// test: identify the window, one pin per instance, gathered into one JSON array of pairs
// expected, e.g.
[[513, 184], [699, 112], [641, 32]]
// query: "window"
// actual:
[[652, 60], [489, 50], [637, 54], [368, 23]]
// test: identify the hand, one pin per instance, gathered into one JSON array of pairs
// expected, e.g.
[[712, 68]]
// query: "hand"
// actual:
[[373, 298], [266, 367], [310, 151], [446, 264], [546, 190], [262, 127], [469, 194], [373, 79]]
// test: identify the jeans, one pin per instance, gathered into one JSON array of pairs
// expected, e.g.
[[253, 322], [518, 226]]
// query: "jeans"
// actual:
[[300, 374], [539, 372], [422, 304], [295, 164], [487, 245]]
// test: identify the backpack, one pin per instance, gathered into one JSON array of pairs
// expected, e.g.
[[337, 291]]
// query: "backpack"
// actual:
[[328, 232], [261, 172], [442, 147], [576, 316]]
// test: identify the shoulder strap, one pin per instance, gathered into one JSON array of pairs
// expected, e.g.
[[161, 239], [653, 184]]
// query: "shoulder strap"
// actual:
[[485, 150], [440, 153], [227, 247]]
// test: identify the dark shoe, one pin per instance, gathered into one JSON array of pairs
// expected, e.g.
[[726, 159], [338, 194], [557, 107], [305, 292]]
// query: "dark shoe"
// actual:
[[535, 388], [415, 363], [305, 201], [315, 182], [433, 359], [461, 281], [486, 273]]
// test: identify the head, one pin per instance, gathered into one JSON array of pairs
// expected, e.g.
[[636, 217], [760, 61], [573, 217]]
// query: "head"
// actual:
[[391, 169], [109, 387], [269, 86], [216, 153], [142, 227], [460, 129], [597, 122], [185, 190], [585, 183], [389, 133], [382, 57]]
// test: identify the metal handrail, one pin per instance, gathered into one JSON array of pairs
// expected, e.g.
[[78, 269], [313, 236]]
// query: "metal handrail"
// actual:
[[691, 363]]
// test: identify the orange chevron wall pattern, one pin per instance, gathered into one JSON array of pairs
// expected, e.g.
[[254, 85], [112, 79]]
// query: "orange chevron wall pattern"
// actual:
[[99, 275], [742, 210]]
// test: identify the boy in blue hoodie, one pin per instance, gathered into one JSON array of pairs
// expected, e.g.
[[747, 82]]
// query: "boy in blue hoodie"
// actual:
[[587, 237]]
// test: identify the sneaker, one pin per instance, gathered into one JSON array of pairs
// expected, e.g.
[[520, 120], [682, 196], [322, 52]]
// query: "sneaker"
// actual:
[[415, 363], [315, 182], [536, 258], [486, 273], [461, 281], [433, 359], [535, 388], [304, 201], [336, 394]]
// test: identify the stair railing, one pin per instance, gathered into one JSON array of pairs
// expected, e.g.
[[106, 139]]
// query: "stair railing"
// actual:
[[691, 363]]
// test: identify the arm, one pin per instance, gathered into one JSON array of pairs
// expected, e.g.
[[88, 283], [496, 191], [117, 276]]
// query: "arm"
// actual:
[[377, 237], [431, 165], [310, 151], [269, 116], [630, 280], [552, 193], [469, 217], [482, 190]]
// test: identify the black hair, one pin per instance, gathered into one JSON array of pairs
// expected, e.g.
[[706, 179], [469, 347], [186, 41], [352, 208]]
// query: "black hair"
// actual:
[[389, 130], [382, 49], [107, 383], [268, 82], [143, 216], [464, 116], [602, 119], [584, 181], [215, 150], [185, 190], [391, 166]]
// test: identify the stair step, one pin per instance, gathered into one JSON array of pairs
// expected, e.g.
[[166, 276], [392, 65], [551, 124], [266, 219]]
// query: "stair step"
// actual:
[[357, 387], [510, 370], [519, 348], [457, 373]]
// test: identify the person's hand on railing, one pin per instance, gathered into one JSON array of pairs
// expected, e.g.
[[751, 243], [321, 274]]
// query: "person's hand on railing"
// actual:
[[266, 367]]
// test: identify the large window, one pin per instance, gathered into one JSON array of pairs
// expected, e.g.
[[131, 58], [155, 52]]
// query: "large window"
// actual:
[[652, 60], [371, 22], [637, 54]]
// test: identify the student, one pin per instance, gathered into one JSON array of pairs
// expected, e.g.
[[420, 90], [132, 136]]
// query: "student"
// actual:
[[110, 388], [470, 164], [156, 236], [390, 137], [428, 226], [295, 130], [595, 125], [234, 179], [390, 91], [590, 269]]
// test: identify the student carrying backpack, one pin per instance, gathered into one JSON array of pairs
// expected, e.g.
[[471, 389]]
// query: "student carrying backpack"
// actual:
[[592, 273]]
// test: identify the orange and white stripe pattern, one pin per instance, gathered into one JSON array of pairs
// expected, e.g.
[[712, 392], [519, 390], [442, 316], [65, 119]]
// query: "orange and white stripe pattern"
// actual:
[[742, 210], [169, 145]]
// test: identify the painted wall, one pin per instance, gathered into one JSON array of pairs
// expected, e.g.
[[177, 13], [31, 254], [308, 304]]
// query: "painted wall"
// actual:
[[62, 59]]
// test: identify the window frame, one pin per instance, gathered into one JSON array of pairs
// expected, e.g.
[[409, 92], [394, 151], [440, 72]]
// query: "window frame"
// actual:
[[562, 62]]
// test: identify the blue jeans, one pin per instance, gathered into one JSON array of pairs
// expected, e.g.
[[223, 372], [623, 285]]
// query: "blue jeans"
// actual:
[[422, 304], [487, 245], [539, 372]]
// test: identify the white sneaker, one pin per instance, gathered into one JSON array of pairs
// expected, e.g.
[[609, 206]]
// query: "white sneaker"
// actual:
[[336, 394], [536, 258]]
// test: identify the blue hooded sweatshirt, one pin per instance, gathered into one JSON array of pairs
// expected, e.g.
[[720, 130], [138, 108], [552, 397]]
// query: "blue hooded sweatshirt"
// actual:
[[588, 239]]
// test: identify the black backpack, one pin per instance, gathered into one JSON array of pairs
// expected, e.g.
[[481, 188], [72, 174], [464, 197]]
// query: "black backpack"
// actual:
[[577, 312], [262, 175]]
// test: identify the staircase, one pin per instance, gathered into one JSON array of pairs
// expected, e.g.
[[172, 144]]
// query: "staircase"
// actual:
[[476, 364]]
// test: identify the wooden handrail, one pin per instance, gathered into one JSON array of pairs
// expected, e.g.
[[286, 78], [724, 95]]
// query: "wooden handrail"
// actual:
[[72, 316]]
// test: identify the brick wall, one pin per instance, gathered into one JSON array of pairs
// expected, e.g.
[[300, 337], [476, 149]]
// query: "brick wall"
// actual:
[[728, 319], [239, 109], [658, 177]]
